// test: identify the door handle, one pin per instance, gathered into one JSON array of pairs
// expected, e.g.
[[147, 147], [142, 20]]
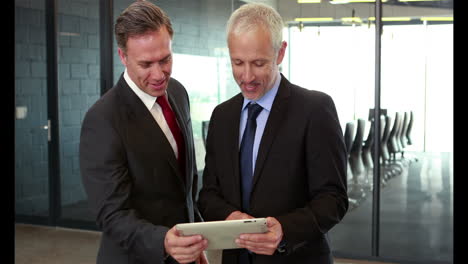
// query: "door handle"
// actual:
[[47, 127]]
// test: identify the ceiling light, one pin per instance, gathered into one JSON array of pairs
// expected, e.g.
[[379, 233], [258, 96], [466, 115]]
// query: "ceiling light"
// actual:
[[436, 18], [308, 1], [351, 19], [313, 19], [418, 0], [391, 18], [353, 1]]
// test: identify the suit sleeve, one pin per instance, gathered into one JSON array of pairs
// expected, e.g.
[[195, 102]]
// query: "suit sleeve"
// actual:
[[105, 176], [195, 186], [195, 189], [212, 204], [326, 163], [184, 103]]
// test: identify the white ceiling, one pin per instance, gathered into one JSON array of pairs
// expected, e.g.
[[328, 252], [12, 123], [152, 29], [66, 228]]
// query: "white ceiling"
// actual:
[[290, 9]]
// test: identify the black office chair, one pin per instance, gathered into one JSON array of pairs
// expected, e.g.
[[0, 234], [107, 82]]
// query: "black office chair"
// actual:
[[355, 155], [402, 134], [385, 154], [384, 140], [399, 134], [392, 143], [367, 158], [407, 135], [410, 127], [205, 125], [384, 128], [349, 136], [393, 165], [348, 139], [402, 126], [355, 192], [367, 148]]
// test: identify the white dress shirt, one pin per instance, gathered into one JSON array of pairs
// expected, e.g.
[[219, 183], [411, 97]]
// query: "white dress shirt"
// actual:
[[155, 109]]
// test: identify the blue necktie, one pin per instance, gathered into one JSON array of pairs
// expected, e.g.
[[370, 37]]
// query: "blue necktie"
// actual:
[[246, 149], [246, 166]]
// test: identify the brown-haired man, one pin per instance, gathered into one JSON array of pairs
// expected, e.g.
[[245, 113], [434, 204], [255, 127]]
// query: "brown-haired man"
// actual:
[[136, 151]]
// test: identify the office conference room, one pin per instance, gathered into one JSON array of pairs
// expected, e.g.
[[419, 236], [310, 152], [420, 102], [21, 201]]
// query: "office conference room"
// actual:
[[397, 78]]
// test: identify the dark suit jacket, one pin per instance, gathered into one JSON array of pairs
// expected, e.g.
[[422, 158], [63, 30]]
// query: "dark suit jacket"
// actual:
[[131, 175], [300, 172]]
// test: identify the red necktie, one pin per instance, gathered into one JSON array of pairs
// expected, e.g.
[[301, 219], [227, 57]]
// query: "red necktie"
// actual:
[[172, 123]]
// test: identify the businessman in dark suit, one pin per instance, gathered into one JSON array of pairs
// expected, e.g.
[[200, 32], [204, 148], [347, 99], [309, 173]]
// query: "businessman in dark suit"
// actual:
[[275, 150], [136, 150]]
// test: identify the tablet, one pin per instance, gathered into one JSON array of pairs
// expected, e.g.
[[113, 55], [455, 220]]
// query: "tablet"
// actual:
[[222, 234]]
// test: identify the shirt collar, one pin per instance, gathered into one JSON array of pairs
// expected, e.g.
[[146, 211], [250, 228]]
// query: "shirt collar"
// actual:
[[266, 101], [147, 99]]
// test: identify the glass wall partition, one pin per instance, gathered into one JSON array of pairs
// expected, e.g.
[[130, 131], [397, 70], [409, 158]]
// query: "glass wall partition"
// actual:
[[338, 60], [31, 119], [78, 88], [417, 89], [53, 100], [332, 49]]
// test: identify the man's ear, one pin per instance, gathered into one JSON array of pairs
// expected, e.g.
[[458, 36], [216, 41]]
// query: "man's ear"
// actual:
[[281, 53], [123, 57]]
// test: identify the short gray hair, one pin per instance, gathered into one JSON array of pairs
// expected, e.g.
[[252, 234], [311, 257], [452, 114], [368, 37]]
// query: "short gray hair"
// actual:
[[254, 15]]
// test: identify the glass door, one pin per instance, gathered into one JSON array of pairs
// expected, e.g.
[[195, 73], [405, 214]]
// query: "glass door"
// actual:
[[31, 118], [78, 88], [417, 84], [48, 187]]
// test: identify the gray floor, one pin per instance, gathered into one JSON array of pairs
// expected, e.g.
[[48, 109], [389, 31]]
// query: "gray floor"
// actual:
[[416, 221], [41, 245], [50, 245]]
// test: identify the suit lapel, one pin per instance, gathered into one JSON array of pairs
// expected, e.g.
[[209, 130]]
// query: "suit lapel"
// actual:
[[140, 119], [232, 137], [275, 119], [182, 121]]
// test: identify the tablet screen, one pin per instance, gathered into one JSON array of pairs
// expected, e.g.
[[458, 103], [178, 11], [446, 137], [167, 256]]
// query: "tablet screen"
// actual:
[[222, 234]]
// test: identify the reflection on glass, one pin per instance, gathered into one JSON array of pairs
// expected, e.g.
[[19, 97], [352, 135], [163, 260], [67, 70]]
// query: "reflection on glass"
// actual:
[[203, 85], [31, 126], [417, 213], [338, 60], [78, 84], [318, 54], [337, 56]]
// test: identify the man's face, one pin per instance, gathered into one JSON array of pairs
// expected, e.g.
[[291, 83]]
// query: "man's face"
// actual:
[[149, 61], [254, 61]]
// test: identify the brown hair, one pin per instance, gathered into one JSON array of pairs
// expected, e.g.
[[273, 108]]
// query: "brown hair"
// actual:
[[139, 17]]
